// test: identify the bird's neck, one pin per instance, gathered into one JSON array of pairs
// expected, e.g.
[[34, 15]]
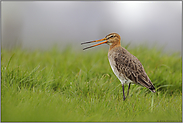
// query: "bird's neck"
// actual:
[[113, 45]]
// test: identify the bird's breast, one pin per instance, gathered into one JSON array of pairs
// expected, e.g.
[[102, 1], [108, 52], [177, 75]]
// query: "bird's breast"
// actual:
[[112, 55]]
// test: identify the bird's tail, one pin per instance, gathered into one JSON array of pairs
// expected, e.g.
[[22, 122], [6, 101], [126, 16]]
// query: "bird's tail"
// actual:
[[152, 89], [148, 84]]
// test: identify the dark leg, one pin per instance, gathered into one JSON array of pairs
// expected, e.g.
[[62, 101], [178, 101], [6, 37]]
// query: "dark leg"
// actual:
[[123, 92], [128, 89]]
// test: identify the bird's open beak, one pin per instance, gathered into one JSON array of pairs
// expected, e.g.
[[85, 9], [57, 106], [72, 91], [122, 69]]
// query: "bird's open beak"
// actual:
[[104, 41]]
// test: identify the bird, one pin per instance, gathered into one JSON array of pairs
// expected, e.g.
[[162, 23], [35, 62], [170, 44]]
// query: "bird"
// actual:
[[125, 66]]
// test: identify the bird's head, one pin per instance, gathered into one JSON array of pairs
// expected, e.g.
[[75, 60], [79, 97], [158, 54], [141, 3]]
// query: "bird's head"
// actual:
[[111, 39]]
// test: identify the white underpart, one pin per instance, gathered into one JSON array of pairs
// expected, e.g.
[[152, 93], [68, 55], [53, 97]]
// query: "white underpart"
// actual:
[[119, 75]]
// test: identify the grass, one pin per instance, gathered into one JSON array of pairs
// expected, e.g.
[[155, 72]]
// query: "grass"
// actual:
[[80, 86]]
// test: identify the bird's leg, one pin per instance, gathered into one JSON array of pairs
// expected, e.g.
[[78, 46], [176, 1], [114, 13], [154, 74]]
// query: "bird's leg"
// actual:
[[123, 92], [128, 89]]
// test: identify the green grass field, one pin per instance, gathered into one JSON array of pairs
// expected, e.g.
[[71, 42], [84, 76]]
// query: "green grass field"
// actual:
[[80, 86]]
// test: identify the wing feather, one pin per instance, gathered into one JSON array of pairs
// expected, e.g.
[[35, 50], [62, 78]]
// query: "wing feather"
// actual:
[[130, 66]]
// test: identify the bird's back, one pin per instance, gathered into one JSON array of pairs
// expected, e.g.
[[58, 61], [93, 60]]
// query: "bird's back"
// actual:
[[128, 68]]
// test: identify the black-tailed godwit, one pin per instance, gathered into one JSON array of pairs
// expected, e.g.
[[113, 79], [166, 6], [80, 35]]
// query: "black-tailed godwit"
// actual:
[[125, 66]]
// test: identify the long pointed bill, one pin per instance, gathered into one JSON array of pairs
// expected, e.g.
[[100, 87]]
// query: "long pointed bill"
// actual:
[[95, 44]]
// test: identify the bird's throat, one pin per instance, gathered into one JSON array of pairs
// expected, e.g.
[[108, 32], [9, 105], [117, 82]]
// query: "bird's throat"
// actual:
[[115, 44]]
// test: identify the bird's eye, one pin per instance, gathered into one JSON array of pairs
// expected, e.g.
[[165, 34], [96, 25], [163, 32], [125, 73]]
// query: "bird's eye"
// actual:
[[111, 36]]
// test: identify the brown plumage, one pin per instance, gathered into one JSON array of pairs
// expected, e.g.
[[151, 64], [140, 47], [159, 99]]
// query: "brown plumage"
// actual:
[[125, 66]]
